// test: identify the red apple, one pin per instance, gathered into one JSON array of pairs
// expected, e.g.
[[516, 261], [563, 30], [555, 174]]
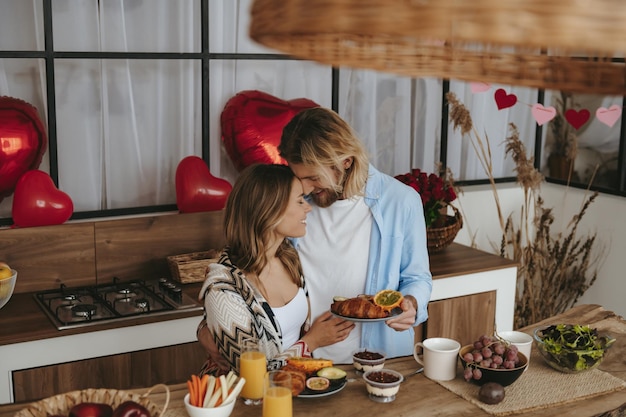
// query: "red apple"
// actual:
[[131, 409], [91, 410]]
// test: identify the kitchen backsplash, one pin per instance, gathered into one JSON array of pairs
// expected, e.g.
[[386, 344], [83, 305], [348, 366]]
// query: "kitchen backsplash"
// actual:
[[91, 252]]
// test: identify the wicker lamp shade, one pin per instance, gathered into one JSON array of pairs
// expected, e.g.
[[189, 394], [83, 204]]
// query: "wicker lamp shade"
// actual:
[[569, 45]]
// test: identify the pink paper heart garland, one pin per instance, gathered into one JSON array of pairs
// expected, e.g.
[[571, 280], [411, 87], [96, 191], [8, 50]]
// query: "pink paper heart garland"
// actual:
[[479, 87], [543, 114], [577, 118], [609, 116], [504, 100]]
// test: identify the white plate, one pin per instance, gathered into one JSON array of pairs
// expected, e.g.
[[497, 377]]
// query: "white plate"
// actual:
[[307, 393], [394, 312]]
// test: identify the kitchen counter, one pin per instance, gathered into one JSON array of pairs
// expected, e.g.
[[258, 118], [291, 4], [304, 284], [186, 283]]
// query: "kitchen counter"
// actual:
[[420, 396], [22, 320], [30, 340]]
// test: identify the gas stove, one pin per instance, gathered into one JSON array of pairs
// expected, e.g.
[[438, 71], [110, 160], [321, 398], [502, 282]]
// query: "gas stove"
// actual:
[[75, 307]]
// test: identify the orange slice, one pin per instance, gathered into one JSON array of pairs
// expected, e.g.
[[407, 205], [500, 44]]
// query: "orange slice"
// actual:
[[388, 299]]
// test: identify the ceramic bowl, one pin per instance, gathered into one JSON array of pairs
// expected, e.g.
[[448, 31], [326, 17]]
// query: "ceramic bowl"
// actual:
[[365, 360], [383, 384], [223, 410], [502, 376], [7, 285], [568, 360]]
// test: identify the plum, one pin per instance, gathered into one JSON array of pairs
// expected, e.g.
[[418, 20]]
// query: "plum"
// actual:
[[491, 393]]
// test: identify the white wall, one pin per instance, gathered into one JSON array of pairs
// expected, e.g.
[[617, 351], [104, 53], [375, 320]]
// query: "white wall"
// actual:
[[603, 216]]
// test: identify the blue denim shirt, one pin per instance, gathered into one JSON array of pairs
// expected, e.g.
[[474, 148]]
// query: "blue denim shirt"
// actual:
[[398, 257]]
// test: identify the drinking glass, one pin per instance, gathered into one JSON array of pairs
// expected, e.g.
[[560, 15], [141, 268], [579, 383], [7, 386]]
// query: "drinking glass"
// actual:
[[277, 395], [252, 367]]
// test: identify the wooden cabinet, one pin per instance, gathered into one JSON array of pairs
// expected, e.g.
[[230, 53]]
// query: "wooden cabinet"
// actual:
[[169, 365], [463, 319]]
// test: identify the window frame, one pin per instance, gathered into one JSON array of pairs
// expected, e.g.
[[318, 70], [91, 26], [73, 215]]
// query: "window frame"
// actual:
[[49, 55]]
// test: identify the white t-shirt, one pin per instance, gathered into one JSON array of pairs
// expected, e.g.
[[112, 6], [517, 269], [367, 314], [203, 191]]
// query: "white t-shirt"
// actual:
[[291, 317], [334, 254]]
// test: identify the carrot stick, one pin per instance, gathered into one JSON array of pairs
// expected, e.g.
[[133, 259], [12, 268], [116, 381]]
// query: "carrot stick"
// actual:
[[204, 382], [192, 393], [218, 383], [196, 382]]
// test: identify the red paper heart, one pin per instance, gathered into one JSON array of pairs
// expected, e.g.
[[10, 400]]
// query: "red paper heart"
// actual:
[[504, 100], [198, 190], [577, 118], [23, 142], [252, 124], [38, 202]]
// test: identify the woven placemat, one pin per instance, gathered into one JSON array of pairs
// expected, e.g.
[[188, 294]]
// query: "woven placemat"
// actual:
[[535, 389]]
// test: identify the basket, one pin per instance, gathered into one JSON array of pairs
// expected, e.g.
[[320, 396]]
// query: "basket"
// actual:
[[559, 48], [62, 403], [191, 267], [438, 238]]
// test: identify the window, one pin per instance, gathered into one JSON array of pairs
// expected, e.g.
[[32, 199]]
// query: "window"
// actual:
[[127, 89]]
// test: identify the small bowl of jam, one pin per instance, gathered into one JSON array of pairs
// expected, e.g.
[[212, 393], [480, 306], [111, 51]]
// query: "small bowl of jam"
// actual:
[[383, 384], [368, 360]]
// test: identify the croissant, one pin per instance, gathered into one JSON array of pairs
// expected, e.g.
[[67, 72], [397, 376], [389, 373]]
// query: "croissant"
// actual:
[[359, 307], [298, 379]]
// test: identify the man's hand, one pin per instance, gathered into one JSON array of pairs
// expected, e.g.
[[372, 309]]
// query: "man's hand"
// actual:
[[406, 319]]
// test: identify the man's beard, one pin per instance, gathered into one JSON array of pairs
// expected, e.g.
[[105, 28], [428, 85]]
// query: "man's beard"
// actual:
[[325, 198]]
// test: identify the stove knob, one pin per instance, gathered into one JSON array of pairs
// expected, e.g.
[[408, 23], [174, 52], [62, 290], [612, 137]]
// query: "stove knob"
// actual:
[[177, 294]]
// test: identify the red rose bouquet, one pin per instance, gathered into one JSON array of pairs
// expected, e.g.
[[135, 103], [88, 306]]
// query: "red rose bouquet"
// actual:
[[436, 193]]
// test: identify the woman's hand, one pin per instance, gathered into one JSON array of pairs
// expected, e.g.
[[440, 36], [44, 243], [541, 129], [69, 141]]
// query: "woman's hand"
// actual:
[[327, 330], [406, 319]]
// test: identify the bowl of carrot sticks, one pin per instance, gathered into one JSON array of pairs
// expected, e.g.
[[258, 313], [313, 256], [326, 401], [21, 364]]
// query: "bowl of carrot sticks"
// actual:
[[211, 396]]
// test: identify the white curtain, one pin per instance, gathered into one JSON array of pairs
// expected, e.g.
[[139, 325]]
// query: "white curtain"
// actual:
[[124, 125]]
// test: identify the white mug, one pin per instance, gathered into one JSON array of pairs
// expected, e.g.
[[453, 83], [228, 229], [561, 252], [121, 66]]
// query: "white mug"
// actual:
[[523, 341], [440, 357]]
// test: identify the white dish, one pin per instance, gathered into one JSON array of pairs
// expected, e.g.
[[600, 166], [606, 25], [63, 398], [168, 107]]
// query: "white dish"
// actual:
[[394, 312]]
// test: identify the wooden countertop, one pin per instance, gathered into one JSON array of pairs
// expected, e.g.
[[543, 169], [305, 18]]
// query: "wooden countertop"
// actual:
[[459, 259], [420, 396], [22, 320]]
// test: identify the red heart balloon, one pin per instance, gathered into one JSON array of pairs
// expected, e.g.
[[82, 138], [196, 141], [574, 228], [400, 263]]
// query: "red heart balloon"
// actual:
[[198, 190], [37, 201], [23, 142], [252, 124]]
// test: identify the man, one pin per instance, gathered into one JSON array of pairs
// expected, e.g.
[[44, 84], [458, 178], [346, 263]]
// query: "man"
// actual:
[[366, 233]]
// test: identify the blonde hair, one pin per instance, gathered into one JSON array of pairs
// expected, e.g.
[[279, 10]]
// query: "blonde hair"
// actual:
[[254, 209], [319, 137]]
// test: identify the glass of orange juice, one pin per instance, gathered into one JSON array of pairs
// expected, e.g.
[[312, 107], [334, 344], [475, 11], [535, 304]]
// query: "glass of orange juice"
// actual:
[[277, 394], [252, 367]]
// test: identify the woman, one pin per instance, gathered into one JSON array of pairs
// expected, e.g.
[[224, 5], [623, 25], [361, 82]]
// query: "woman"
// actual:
[[256, 290]]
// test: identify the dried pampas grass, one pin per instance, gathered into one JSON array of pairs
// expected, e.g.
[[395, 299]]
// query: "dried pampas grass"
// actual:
[[555, 267]]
